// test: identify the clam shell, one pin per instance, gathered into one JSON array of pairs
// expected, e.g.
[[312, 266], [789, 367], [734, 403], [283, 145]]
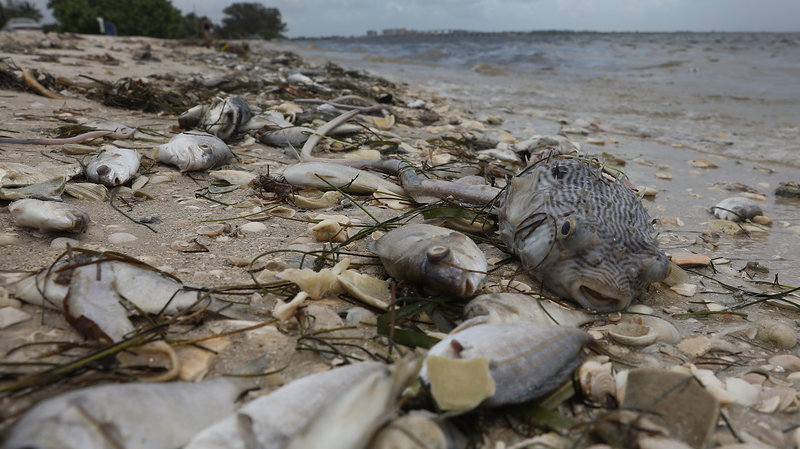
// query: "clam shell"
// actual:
[[324, 200], [513, 363], [633, 334], [235, 177], [48, 216], [385, 123], [370, 290], [88, 191], [779, 334], [597, 383]]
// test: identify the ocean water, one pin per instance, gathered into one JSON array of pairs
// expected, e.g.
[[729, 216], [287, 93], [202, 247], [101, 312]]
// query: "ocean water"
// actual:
[[733, 94]]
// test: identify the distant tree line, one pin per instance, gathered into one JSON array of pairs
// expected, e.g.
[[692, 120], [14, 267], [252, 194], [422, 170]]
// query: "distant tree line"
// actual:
[[154, 18]]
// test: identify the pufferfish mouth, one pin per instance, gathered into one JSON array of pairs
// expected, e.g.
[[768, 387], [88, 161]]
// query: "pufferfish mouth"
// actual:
[[605, 301]]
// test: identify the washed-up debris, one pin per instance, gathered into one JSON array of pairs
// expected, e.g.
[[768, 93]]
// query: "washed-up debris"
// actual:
[[50, 190], [222, 117], [48, 216], [320, 175], [495, 308], [788, 190], [737, 209], [496, 364], [437, 259], [113, 166], [192, 151]]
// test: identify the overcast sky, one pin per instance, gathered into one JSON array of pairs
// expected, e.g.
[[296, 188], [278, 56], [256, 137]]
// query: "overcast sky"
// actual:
[[355, 17]]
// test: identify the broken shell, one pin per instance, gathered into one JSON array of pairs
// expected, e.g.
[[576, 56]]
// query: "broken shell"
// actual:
[[418, 429], [385, 123], [283, 310], [788, 362], [495, 364], [687, 290], [779, 334], [762, 220], [234, 177], [139, 182], [632, 334], [329, 231], [743, 392], [695, 347], [213, 230], [318, 284], [597, 383], [690, 259], [88, 191], [48, 216], [700, 162], [370, 290], [324, 200]]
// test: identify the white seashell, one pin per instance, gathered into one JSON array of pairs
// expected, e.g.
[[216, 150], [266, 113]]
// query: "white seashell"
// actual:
[[328, 230], [687, 290], [632, 334], [743, 392], [235, 177], [597, 383], [192, 151], [318, 284], [254, 227], [695, 347], [418, 429], [324, 200], [139, 182], [88, 191], [665, 331], [10, 316], [737, 208], [48, 216], [385, 123], [113, 166], [121, 237], [779, 334], [370, 290]]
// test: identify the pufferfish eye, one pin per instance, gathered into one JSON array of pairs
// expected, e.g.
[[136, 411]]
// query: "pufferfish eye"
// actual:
[[568, 227]]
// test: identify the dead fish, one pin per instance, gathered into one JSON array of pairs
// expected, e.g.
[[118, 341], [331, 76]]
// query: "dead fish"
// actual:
[[13, 174], [494, 308], [275, 130], [113, 166], [194, 151], [315, 175], [49, 190], [437, 259], [93, 307], [222, 118], [127, 416], [417, 430], [490, 365], [48, 216], [587, 237], [737, 208], [271, 421], [149, 290]]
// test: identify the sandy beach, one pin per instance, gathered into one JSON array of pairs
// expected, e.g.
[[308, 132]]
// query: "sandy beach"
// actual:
[[681, 151]]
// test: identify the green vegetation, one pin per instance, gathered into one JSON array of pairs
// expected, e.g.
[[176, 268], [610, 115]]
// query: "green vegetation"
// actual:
[[251, 19], [154, 18], [15, 8]]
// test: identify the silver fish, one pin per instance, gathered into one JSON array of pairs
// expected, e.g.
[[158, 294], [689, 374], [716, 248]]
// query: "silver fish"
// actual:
[[222, 118], [48, 216], [737, 208], [494, 308], [194, 151], [113, 166], [587, 237], [437, 259], [315, 174], [272, 420], [128, 416], [525, 361]]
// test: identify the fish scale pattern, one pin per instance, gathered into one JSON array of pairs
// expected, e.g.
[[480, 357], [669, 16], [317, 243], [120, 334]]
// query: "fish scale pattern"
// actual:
[[586, 237]]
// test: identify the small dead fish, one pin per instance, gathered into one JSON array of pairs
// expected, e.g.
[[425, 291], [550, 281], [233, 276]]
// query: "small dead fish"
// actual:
[[494, 308], [587, 237], [222, 118], [127, 416], [495, 364], [272, 420], [48, 216], [315, 174], [737, 208], [113, 166], [194, 151], [93, 307], [437, 259]]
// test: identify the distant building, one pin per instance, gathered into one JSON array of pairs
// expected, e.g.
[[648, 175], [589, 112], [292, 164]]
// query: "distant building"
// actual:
[[394, 31], [372, 33]]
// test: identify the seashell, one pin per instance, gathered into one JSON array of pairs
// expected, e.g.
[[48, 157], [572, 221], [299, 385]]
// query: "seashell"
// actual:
[[48, 216], [192, 151], [762, 220], [495, 364], [519, 308], [328, 230], [195, 362], [282, 211], [779, 334], [254, 227], [313, 201], [788, 362], [779, 399], [113, 166], [370, 290], [318, 284], [737, 208], [665, 331], [49, 190], [684, 289], [695, 347], [213, 230], [234, 177], [8, 238], [700, 162], [359, 316], [597, 383], [690, 259], [743, 392], [283, 310], [632, 334], [10, 316], [385, 123]]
